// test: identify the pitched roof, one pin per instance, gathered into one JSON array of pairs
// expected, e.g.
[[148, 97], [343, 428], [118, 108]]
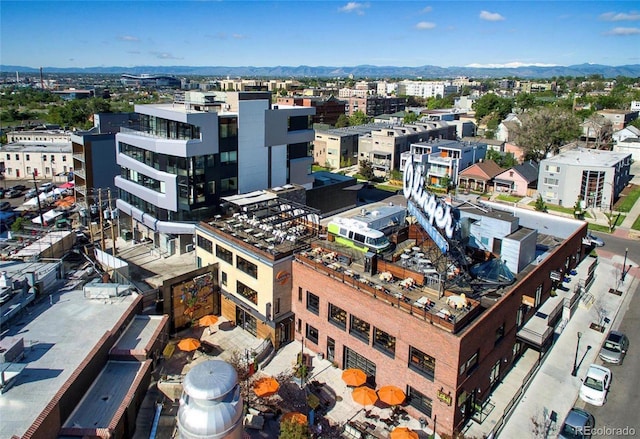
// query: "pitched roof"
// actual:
[[529, 170], [484, 170]]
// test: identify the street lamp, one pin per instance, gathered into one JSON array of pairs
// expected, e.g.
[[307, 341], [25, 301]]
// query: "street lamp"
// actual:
[[574, 372], [624, 266]]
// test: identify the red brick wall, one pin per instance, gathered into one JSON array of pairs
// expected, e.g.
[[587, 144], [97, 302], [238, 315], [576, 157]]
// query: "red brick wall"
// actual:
[[407, 329]]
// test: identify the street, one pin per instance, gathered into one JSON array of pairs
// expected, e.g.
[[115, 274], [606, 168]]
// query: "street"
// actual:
[[620, 410]]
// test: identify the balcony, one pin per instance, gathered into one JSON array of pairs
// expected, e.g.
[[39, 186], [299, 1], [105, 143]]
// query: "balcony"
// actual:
[[80, 173], [78, 157]]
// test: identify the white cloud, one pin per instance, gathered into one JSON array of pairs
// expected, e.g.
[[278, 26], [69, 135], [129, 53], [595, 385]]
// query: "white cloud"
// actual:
[[238, 36], [423, 25], [509, 65], [129, 38], [491, 16], [426, 10], [624, 31], [356, 7], [164, 55], [620, 16]]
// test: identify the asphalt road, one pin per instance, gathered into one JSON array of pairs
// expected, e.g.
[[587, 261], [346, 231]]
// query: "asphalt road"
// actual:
[[618, 246], [621, 408]]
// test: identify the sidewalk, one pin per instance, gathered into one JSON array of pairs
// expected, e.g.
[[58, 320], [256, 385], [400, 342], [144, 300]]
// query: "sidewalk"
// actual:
[[551, 388]]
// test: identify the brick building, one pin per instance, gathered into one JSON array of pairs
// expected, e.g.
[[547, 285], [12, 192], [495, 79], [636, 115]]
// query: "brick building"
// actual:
[[446, 314], [328, 109]]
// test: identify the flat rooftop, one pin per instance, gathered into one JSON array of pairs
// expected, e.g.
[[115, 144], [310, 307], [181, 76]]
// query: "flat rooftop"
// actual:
[[588, 157], [100, 403], [57, 339], [139, 333]]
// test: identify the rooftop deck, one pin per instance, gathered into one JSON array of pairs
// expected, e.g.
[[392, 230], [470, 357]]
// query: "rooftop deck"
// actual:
[[399, 286]]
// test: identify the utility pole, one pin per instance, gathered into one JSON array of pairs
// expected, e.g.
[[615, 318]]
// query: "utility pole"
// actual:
[[35, 185], [102, 247], [113, 235]]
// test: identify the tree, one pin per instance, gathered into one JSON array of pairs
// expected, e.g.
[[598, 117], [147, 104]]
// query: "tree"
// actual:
[[506, 160], [343, 121], [601, 129], [540, 206], [292, 429], [578, 211], [366, 169], [358, 118], [545, 130], [410, 117], [525, 101], [492, 105]]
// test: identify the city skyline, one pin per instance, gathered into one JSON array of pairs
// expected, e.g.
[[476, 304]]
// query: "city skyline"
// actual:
[[318, 33]]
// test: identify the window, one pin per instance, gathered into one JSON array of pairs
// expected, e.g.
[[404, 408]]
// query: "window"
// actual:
[[28, 169], [470, 365], [247, 267], [313, 303], [8, 156], [247, 292], [44, 157], [359, 329], [311, 334], [338, 316], [551, 181], [228, 157], [224, 254], [46, 171], [552, 168], [53, 158], [419, 401], [205, 244], [299, 294], [499, 334], [352, 359], [26, 157], [229, 184], [17, 156], [384, 342], [276, 311], [422, 363], [538, 295], [223, 278]]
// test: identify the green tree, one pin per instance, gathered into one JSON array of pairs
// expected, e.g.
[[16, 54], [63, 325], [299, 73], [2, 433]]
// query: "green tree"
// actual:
[[18, 225], [410, 117], [506, 160], [545, 130], [492, 105], [540, 205], [578, 211], [366, 169], [343, 121], [525, 101], [291, 429], [358, 118]]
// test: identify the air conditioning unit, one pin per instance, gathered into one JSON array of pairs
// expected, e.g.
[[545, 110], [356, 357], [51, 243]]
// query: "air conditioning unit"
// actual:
[[189, 248]]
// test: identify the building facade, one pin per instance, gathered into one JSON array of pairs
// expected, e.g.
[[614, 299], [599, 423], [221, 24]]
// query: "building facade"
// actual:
[[41, 160], [328, 109], [183, 157], [594, 177]]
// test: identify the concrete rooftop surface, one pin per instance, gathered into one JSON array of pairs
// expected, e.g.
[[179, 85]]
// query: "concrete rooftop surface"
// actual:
[[58, 336]]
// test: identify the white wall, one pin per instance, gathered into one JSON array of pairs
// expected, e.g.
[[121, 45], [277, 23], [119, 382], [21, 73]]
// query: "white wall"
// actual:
[[252, 154]]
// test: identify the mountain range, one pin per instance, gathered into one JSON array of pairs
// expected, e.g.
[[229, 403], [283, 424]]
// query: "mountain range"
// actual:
[[361, 71]]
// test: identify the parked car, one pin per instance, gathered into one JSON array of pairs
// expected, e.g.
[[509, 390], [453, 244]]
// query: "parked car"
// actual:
[[47, 187], [2, 192], [5, 205], [577, 425], [614, 348], [595, 385], [12, 193], [598, 242], [19, 187], [31, 193]]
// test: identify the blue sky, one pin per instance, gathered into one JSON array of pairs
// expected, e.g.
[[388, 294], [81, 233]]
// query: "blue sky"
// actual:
[[318, 33]]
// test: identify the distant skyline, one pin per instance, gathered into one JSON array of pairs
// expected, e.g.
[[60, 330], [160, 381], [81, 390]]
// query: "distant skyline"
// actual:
[[318, 33]]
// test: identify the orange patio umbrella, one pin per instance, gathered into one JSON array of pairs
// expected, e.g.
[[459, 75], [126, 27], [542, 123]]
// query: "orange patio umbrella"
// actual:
[[354, 377], [364, 395], [188, 344], [403, 433], [266, 386], [391, 395], [208, 320], [294, 417]]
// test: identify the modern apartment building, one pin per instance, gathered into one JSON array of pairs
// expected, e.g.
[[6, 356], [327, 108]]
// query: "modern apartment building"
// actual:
[[94, 156], [185, 156], [383, 148], [426, 89], [596, 177], [335, 148], [426, 318], [374, 105]]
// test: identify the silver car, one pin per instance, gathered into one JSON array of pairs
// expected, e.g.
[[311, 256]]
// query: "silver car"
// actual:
[[614, 347], [577, 425]]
